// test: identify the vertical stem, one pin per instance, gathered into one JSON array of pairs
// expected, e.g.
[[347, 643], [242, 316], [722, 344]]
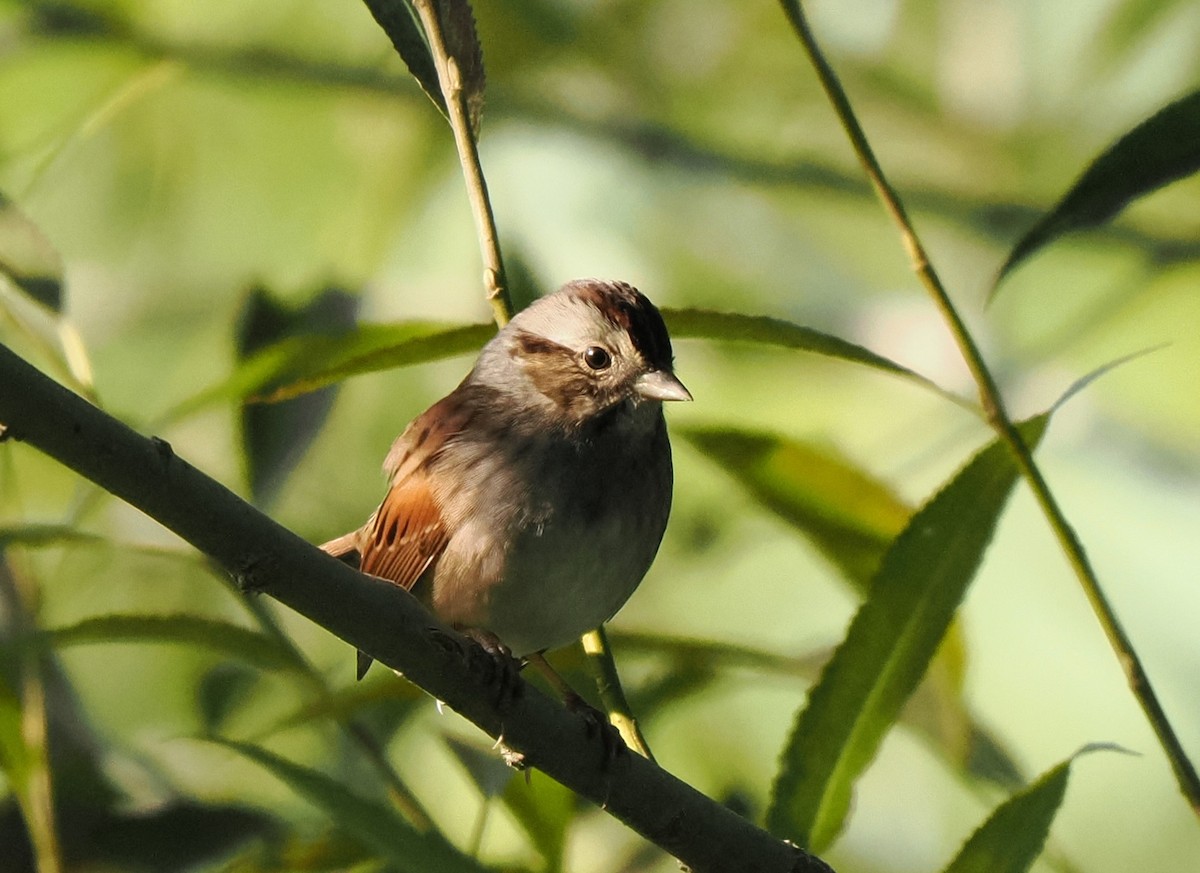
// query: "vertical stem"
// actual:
[[450, 78], [604, 670], [993, 405]]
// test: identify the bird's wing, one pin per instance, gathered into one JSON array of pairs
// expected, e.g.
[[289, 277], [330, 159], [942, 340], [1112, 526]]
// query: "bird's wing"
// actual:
[[407, 533]]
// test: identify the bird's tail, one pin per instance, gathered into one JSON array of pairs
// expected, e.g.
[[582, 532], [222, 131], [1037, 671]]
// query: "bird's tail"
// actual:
[[345, 549]]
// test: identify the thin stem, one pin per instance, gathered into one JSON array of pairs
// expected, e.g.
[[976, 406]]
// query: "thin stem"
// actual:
[[604, 670], [993, 405], [358, 733], [450, 78]]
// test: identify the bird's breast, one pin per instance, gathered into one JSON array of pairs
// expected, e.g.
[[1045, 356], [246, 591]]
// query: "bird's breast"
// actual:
[[554, 539]]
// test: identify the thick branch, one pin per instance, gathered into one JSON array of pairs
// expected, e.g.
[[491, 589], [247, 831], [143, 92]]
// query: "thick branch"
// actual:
[[379, 619]]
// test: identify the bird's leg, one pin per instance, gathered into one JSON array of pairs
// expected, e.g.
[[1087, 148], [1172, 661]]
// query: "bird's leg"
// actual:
[[596, 722]]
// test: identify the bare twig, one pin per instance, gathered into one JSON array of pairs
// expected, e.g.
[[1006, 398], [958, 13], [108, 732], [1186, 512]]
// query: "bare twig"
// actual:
[[450, 77]]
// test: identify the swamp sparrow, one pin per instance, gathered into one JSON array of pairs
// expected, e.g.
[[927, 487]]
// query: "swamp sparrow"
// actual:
[[525, 507]]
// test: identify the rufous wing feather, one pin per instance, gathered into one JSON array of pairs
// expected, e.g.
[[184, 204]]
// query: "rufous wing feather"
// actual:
[[406, 534]]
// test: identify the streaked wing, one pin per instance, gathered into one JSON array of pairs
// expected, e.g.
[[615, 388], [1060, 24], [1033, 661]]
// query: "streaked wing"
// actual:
[[405, 535]]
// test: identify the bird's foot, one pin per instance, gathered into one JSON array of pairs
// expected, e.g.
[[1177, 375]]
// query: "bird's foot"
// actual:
[[499, 669]]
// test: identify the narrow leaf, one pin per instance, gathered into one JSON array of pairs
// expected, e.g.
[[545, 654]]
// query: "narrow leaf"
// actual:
[[487, 770], [220, 636], [221, 690], [27, 259], [688, 667], [1013, 835], [38, 535], [275, 436], [399, 22], [847, 514], [297, 365], [545, 810], [764, 330], [373, 822], [1160, 150], [890, 642]]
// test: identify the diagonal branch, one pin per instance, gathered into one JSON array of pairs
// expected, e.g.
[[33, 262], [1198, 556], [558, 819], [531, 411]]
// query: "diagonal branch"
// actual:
[[378, 618]]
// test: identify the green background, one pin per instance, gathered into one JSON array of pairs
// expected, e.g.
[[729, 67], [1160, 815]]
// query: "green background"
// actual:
[[177, 155]]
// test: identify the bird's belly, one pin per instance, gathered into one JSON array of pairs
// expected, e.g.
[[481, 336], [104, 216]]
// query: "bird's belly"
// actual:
[[559, 576], [564, 580]]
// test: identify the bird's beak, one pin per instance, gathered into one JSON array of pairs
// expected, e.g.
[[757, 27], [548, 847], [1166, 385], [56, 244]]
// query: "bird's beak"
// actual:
[[660, 385]]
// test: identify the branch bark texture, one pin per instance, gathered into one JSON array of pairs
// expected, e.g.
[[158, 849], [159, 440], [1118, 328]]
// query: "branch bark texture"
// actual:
[[381, 620]]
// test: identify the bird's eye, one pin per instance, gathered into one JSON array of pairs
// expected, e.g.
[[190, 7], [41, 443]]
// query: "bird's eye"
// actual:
[[597, 357]]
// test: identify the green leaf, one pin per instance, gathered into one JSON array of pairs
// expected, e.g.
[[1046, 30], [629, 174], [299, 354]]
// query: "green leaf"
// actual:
[[384, 704], [486, 769], [375, 823], [1160, 150], [890, 642], [545, 811], [768, 331], [1013, 836], [399, 22], [28, 260], [688, 667], [847, 514], [37, 535], [220, 636], [297, 365], [276, 435], [221, 690]]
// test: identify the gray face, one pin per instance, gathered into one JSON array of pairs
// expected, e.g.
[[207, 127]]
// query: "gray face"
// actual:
[[583, 348]]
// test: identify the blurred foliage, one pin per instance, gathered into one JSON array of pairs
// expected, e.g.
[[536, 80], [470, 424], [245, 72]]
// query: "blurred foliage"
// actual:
[[204, 206]]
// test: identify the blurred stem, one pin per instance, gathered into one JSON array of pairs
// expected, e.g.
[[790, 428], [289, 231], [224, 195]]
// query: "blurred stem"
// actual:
[[450, 80], [29, 777], [993, 405], [359, 734], [38, 796], [604, 670]]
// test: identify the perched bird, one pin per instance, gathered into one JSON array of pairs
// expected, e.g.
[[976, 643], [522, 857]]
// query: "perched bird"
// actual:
[[524, 508]]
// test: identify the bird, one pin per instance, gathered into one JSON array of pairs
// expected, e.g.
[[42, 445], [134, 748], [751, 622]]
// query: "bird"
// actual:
[[525, 507]]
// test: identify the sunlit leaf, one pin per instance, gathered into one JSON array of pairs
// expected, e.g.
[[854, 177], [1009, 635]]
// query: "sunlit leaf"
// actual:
[[768, 331], [300, 364], [1160, 150], [1013, 835], [276, 435], [920, 583], [220, 636], [847, 513], [373, 822], [399, 22]]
